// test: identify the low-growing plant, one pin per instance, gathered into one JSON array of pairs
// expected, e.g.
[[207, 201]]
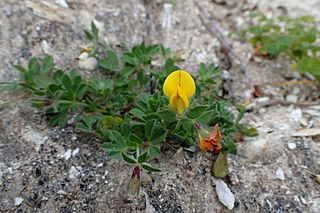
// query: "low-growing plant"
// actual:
[[294, 37], [135, 106]]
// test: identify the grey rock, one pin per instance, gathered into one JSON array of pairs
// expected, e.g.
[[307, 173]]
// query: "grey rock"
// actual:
[[280, 174], [225, 195]]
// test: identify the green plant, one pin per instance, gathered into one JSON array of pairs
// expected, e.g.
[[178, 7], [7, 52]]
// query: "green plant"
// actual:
[[126, 106], [295, 37]]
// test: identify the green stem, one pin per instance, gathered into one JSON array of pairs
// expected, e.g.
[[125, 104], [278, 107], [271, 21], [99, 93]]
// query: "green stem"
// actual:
[[14, 100]]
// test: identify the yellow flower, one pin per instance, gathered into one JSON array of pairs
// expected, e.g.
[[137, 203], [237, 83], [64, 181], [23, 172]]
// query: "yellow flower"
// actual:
[[179, 86]]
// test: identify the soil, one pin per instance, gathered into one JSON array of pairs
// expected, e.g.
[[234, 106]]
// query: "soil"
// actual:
[[46, 169]]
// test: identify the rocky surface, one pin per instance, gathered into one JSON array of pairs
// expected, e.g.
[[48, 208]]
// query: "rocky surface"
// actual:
[[61, 170]]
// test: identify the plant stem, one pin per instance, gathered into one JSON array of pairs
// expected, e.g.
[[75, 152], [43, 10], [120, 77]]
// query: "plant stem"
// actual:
[[14, 100]]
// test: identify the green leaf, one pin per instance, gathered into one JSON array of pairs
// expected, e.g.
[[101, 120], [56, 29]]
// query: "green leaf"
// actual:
[[186, 124], [94, 30], [220, 166], [128, 159], [154, 151], [229, 146], [47, 64], [136, 139], [110, 62], [138, 113], [168, 115], [247, 130], [66, 82], [126, 130], [116, 136], [20, 68], [149, 168], [89, 35], [149, 129], [206, 117], [142, 158], [308, 64]]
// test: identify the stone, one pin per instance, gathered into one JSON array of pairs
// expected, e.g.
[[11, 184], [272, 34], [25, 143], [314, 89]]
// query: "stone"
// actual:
[[67, 154], [86, 62], [18, 201], [295, 115], [61, 192], [75, 152], [303, 121], [292, 146], [74, 172], [280, 174], [292, 98], [225, 195]]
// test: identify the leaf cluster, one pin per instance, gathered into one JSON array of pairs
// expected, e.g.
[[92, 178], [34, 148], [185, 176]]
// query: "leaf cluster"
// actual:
[[126, 106], [294, 37]]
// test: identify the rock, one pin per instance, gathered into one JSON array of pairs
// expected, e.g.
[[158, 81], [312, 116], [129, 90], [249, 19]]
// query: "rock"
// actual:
[[75, 152], [67, 154], [295, 115], [280, 174], [179, 157], [74, 171], [86, 62], [292, 98], [61, 192], [307, 132], [62, 3], [253, 148], [315, 207], [45, 47], [100, 165], [18, 201], [225, 195], [38, 138], [303, 121], [292, 145]]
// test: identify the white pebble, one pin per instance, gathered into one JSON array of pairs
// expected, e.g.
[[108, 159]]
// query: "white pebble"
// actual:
[[88, 64], [225, 195], [75, 152], [292, 145], [67, 154], [280, 174], [18, 201]]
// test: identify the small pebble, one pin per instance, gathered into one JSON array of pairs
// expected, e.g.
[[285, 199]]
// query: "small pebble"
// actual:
[[303, 121], [61, 192], [292, 98], [100, 165], [75, 152], [280, 174], [18, 201], [292, 145], [67, 154]]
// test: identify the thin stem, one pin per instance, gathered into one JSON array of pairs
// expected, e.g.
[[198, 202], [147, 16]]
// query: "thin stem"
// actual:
[[14, 100]]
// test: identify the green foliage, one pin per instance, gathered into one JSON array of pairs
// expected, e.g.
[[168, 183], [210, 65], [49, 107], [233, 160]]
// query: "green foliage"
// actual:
[[294, 37], [126, 106]]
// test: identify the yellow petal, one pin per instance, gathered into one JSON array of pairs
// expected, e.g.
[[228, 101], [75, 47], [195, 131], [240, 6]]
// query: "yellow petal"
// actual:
[[184, 101], [179, 101], [182, 79]]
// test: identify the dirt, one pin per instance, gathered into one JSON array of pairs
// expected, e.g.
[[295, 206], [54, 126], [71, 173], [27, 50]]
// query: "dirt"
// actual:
[[46, 169]]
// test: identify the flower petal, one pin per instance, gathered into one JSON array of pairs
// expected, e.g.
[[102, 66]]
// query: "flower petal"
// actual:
[[216, 134], [171, 83], [179, 101], [187, 83], [179, 78]]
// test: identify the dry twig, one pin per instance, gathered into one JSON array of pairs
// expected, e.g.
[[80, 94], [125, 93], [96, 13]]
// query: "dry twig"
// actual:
[[213, 28]]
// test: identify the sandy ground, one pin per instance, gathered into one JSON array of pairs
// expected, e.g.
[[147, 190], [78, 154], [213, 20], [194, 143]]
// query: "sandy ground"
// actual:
[[270, 174]]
